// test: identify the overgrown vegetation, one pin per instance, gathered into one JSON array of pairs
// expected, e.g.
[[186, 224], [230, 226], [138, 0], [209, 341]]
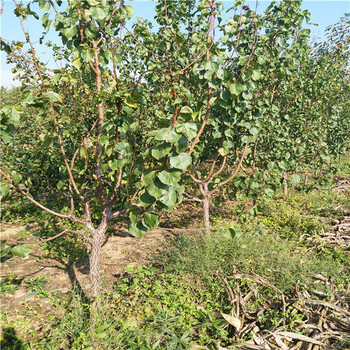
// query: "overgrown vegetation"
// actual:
[[181, 299]]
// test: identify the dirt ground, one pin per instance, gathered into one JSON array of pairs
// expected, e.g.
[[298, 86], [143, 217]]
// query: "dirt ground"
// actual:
[[30, 312], [118, 251]]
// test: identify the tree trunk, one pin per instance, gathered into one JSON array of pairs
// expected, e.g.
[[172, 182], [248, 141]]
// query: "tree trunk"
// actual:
[[206, 214], [94, 262], [306, 179], [206, 206], [285, 184]]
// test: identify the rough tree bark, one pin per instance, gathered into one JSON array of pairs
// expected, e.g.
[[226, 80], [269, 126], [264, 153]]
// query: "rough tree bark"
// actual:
[[206, 206]]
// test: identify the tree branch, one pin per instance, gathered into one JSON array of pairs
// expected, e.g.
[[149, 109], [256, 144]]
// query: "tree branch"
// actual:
[[32, 200], [235, 172]]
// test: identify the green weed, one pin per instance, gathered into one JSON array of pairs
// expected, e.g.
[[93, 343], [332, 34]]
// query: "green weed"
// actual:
[[10, 284], [36, 283]]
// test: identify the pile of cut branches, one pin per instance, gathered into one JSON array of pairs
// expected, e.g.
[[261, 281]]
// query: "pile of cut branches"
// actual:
[[303, 319]]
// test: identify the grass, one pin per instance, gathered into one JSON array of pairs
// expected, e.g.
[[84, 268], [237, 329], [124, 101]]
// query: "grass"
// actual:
[[178, 301]]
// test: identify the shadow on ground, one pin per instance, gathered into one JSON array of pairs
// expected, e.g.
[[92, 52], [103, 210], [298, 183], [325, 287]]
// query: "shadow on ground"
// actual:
[[10, 340]]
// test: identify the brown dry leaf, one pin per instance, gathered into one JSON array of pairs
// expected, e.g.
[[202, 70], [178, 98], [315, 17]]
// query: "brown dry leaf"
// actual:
[[234, 321], [304, 338], [248, 346], [331, 306], [279, 341]]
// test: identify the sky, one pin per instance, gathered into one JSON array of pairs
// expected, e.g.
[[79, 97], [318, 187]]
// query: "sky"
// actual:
[[323, 12]]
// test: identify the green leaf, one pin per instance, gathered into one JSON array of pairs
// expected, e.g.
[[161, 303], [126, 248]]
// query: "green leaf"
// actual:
[[147, 199], [60, 185], [21, 250], [170, 177], [87, 55], [130, 268], [207, 65], [77, 63], [103, 140], [181, 161], [134, 215], [236, 89], [294, 178], [130, 101], [94, 2], [269, 192], [56, 78], [100, 335], [226, 95], [168, 134], [256, 75], [282, 165], [182, 145], [44, 5], [129, 10], [254, 185], [52, 96], [150, 220], [124, 148], [15, 116], [70, 32], [98, 13], [156, 189], [270, 165], [247, 95], [148, 177], [16, 177], [161, 151], [191, 130], [254, 131], [46, 21], [234, 231], [5, 249], [113, 164], [248, 139], [186, 109], [4, 190], [138, 230], [169, 198], [223, 152]]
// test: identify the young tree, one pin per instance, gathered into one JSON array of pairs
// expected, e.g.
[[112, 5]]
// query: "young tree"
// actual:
[[220, 87], [92, 117]]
